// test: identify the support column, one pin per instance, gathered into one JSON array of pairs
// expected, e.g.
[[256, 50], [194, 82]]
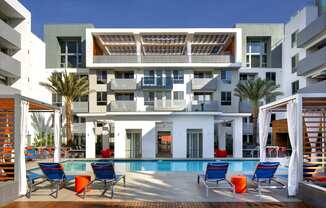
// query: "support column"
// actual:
[[56, 136], [21, 114], [90, 139], [237, 137], [221, 137]]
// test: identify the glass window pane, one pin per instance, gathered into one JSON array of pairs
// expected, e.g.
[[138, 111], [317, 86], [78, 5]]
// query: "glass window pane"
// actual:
[[72, 46], [255, 61], [72, 61]]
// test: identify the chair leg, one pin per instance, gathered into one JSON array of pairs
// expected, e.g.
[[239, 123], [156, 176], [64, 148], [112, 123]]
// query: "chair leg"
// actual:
[[124, 181], [112, 191], [206, 191]]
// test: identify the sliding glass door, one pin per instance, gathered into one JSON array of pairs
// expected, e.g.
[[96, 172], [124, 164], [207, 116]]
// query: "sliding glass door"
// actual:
[[133, 144], [194, 143]]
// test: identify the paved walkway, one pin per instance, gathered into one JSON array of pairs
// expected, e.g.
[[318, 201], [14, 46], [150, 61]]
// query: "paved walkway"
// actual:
[[136, 204], [162, 187]]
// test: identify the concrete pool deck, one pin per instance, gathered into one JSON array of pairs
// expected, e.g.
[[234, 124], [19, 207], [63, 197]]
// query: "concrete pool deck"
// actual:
[[161, 187]]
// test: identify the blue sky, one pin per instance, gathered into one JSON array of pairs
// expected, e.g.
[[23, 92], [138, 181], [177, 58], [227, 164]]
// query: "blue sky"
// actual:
[[160, 13]]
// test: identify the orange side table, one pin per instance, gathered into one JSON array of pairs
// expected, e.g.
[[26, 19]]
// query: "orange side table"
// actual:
[[81, 182], [240, 183]]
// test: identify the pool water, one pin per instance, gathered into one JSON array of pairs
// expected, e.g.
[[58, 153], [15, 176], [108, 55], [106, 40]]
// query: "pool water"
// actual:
[[243, 166]]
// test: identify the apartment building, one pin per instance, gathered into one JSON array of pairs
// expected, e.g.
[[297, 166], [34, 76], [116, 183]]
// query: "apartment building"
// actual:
[[153, 92], [22, 54], [261, 57]]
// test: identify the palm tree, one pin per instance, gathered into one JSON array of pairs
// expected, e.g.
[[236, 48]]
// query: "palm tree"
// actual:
[[255, 90], [42, 127], [71, 87]]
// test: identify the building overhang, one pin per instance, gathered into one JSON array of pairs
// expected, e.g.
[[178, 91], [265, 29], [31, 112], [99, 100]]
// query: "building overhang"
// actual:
[[118, 114]]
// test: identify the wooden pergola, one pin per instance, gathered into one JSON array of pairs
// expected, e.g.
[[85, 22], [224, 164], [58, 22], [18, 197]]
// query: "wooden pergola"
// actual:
[[14, 111], [308, 131]]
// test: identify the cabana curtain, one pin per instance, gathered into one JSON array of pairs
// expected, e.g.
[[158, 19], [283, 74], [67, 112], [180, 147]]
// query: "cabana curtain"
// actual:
[[264, 119], [293, 164], [21, 169], [57, 144]]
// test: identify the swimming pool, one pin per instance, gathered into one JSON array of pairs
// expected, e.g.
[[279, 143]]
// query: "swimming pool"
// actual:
[[243, 166]]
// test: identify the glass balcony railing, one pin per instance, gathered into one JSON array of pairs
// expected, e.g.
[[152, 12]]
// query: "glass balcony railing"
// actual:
[[157, 83]]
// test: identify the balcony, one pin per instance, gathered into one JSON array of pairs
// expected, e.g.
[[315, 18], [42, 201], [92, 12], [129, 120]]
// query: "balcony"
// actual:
[[169, 105], [123, 59], [245, 107], [80, 107], [164, 59], [123, 106], [313, 31], [212, 59], [9, 66], [157, 83], [9, 37], [311, 62], [123, 84], [78, 128], [204, 106], [115, 59], [204, 84]]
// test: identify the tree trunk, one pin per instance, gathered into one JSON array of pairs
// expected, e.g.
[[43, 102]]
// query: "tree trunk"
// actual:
[[254, 124], [68, 109]]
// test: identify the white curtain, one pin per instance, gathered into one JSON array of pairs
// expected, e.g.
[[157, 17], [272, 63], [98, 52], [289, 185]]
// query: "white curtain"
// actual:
[[56, 135], [264, 119], [312, 122], [294, 160], [21, 163]]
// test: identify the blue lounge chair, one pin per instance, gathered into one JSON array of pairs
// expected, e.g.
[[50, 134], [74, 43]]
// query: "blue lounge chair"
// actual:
[[264, 175], [31, 182], [215, 173], [104, 172], [55, 175]]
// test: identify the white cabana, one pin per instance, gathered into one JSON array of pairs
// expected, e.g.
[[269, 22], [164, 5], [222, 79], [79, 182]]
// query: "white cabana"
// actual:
[[14, 114], [295, 109]]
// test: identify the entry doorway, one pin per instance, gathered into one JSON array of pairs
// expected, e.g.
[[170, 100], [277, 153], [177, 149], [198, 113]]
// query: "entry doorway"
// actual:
[[133, 144], [194, 143], [164, 144]]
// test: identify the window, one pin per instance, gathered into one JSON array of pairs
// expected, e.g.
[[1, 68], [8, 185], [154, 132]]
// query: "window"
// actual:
[[244, 76], [226, 76], [225, 98], [178, 95], [56, 100], [178, 77], [149, 98], [203, 74], [295, 87], [101, 98], [294, 38], [99, 124], [76, 119], [101, 77], [124, 96], [271, 76], [256, 55], [124, 75], [294, 62], [83, 98], [203, 96], [70, 53]]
